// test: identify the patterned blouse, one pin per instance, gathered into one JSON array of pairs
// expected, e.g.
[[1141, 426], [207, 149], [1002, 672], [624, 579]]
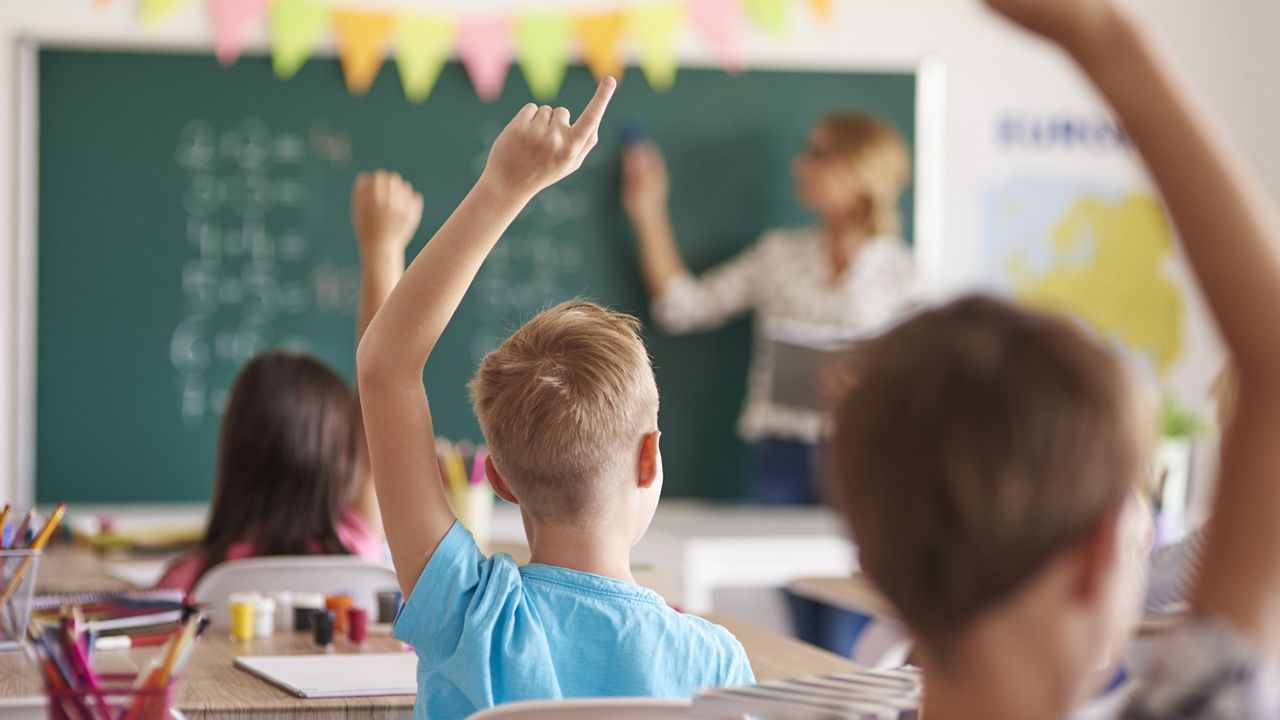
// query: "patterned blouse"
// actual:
[[785, 278], [1205, 671]]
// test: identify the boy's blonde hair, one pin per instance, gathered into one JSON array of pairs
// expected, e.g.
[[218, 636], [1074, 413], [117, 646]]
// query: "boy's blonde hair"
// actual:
[[564, 403], [878, 156], [980, 440]]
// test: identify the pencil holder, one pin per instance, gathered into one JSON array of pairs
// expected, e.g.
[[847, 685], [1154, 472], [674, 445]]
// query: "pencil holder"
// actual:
[[115, 698], [17, 585]]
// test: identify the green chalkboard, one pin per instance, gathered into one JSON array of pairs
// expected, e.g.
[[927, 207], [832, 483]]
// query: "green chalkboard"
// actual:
[[191, 215]]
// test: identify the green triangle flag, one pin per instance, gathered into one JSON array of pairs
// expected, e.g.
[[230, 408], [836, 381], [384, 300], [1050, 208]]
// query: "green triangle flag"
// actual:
[[296, 26], [423, 43], [153, 11], [769, 15], [542, 50], [656, 29]]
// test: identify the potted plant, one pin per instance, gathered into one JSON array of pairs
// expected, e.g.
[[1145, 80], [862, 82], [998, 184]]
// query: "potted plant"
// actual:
[[1171, 481]]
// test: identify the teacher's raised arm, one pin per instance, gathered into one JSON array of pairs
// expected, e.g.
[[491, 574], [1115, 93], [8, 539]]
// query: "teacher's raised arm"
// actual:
[[847, 274]]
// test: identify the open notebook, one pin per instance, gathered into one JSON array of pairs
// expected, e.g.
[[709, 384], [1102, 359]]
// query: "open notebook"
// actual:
[[871, 695], [327, 676]]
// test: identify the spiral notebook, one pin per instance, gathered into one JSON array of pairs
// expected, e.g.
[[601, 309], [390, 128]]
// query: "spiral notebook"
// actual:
[[330, 676], [872, 695]]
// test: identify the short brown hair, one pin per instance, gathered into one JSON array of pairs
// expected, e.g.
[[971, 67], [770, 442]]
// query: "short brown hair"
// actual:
[[564, 403], [980, 440], [879, 158]]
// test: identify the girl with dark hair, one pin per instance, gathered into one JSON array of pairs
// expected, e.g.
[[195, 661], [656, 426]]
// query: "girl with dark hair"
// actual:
[[292, 473]]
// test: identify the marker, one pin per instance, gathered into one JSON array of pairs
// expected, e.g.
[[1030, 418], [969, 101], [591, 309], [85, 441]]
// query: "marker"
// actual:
[[477, 467], [633, 132]]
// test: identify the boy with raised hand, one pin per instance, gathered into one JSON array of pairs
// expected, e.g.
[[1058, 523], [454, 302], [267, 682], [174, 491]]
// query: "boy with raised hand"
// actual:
[[569, 406], [996, 508]]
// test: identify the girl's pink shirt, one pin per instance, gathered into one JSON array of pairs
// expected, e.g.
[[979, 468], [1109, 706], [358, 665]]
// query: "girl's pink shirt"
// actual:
[[354, 533]]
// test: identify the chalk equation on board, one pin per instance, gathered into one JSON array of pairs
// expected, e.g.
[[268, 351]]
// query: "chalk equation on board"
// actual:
[[249, 270]]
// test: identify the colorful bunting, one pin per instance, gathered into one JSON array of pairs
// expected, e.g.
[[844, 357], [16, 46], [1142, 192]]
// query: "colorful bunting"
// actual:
[[769, 15], [721, 23], [542, 49], [362, 45], [540, 41], [600, 36], [295, 28], [656, 28], [232, 21], [153, 11], [484, 47], [824, 9], [423, 43]]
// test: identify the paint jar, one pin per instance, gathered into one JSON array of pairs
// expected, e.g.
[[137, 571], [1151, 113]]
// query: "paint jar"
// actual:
[[305, 605], [357, 625], [242, 620], [339, 604], [389, 602], [322, 627], [264, 618], [284, 609]]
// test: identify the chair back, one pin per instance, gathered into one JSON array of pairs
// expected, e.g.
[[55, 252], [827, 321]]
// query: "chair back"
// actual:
[[326, 574]]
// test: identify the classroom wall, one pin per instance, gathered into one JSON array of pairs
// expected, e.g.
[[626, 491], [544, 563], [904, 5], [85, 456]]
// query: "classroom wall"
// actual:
[[1225, 45]]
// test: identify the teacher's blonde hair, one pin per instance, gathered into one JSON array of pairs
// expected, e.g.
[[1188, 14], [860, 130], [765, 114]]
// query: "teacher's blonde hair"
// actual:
[[879, 158]]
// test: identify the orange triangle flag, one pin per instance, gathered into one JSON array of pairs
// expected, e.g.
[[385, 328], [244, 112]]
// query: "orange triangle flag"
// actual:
[[600, 36], [824, 9], [362, 45]]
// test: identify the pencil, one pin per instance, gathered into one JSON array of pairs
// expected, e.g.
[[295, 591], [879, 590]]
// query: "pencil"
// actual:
[[22, 528], [41, 538]]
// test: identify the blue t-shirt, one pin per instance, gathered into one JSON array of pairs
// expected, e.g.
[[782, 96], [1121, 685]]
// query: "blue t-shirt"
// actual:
[[487, 631]]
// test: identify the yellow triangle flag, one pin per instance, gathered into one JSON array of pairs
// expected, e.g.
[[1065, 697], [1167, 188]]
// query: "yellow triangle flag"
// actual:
[[600, 36], [422, 47], [824, 9], [769, 15], [542, 49], [362, 45], [295, 27], [656, 28], [153, 11]]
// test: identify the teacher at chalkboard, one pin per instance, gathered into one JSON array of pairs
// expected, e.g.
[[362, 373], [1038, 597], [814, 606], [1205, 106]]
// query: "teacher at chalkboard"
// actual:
[[847, 275]]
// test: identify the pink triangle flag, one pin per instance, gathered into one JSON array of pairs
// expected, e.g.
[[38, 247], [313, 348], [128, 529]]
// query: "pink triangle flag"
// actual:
[[484, 47], [232, 21], [721, 23]]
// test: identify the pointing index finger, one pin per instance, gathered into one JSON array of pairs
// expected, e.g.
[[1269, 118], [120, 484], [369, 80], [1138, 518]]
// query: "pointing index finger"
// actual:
[[589, 121]]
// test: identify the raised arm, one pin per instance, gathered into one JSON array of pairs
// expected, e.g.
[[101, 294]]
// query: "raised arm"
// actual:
[[538, 148], [385, 213], [1229, 229], [646, 188]]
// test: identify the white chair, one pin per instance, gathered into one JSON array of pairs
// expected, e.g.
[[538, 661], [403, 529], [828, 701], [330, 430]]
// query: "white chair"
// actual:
[[591, 709], [325, 574]]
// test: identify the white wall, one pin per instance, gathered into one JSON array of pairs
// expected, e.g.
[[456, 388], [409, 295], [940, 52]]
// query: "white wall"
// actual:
[[1225, 45]]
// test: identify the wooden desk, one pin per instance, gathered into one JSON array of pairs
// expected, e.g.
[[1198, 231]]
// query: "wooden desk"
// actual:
[[212, 688], [854, 593], [778, 657], [69, 569]]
